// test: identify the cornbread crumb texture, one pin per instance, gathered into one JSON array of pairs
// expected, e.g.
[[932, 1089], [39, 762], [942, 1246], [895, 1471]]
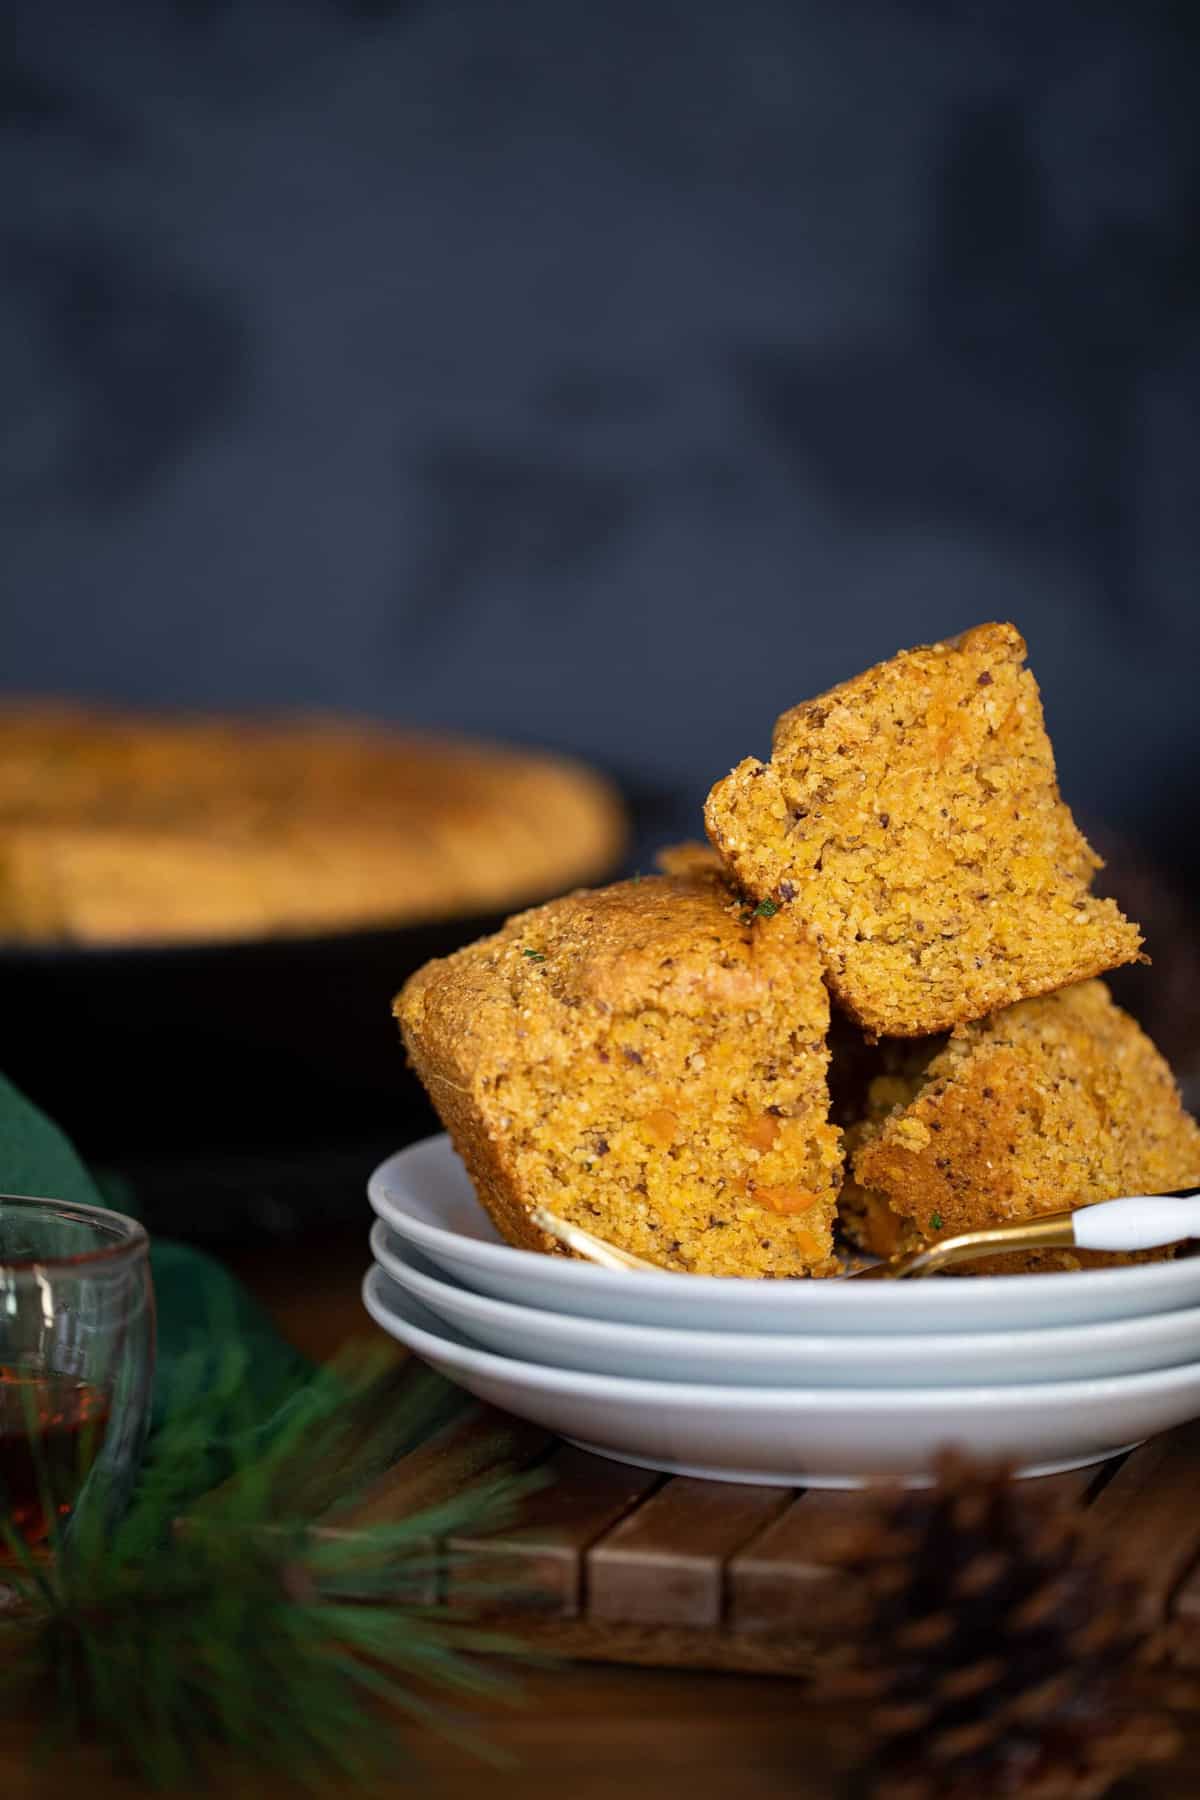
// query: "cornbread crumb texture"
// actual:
[[1051, 1104], [912, 816], [649, 1062], [689, 858], [869, 1082], [120, 827]]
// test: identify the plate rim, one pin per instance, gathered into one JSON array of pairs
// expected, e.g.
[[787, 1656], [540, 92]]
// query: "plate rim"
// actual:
[[613, 1331], [584, 1384], [823, 1294]]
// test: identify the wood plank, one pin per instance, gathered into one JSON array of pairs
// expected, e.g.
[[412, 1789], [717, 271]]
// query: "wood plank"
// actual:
[[1150, 1517], [586, 1639], [664, 1564], [791, 1571], [791, 1576], [1073, 1487], [480, 1442], [536, 1564], [477, 1443]]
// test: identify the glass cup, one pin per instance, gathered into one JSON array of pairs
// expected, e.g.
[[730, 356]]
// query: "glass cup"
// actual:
[[76, 1367]]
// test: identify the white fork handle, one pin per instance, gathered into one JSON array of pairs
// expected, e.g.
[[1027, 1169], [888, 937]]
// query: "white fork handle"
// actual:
[[1140, 1223]]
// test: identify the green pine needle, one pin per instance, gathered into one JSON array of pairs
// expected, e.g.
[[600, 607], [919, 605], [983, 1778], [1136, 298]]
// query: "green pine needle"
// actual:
[[213, 1618]]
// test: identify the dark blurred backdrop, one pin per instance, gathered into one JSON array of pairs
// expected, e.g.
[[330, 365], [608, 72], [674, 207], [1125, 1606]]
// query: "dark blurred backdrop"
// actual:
[[607, 375]]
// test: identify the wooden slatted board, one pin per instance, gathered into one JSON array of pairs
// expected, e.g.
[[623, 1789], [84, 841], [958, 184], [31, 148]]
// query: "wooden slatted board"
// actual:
[[610, 1563]]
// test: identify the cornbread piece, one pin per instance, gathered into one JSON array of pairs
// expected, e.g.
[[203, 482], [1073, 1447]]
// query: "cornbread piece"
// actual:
[[118, 828], [868, 1083], [689, 858], [648, 1061], [913, 818], [1051, 1104]]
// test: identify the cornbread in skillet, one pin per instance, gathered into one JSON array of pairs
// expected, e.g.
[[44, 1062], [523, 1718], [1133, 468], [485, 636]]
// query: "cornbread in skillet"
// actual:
[[913, 818], [1051, 1104], [647, 1060], [120, 828]]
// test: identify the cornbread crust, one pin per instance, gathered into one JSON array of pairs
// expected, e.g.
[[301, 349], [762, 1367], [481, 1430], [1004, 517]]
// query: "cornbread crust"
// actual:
[[1054, 1103], [119, 828], [648, 1060], [912, 816], [689, 858]]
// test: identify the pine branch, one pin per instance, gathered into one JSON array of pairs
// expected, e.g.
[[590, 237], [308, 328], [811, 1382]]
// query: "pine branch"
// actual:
[[241, 1629]]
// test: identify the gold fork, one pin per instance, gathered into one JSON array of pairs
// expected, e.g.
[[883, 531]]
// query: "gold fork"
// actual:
[[585, 1244], [1139, 1222]]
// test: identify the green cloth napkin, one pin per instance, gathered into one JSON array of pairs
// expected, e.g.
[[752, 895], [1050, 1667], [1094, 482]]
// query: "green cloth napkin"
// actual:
[[201, 1308]]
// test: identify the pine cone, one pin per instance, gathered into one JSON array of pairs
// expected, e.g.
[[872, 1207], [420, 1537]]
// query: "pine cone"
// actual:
[[998, 1657]]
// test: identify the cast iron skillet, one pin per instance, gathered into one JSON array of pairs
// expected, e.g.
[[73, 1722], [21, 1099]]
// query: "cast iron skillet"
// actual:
[[281, 1042], [207, 1044]]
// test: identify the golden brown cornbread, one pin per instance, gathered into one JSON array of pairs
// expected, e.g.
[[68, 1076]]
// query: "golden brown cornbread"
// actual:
[[689, 858], [648, 1061], [913, 818], [1051, 1104], [868, 1082], [117, 827], [865, 1217]]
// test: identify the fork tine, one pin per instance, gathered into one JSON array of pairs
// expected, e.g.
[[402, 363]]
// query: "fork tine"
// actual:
[[583, 1243]]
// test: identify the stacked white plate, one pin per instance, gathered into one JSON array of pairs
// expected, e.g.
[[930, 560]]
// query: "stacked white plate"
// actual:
[[806, 1383]]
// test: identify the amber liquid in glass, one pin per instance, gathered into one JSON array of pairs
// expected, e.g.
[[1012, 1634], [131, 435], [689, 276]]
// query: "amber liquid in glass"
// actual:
[[51, 1430]]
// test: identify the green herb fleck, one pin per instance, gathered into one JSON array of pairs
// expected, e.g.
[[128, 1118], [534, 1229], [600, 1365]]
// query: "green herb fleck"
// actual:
[[639, 876], [535, 955], [936, 1221], [588, 1167], [766, 909]]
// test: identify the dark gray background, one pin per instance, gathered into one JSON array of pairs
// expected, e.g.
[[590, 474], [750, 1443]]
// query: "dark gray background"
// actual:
[[607, 375]]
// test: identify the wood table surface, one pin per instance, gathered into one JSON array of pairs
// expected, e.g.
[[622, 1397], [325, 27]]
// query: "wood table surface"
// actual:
[[585, 1731]]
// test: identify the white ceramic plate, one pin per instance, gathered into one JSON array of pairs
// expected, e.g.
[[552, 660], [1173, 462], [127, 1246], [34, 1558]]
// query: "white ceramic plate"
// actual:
[[925, 1359], [425, 1195], [814, 1437]]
